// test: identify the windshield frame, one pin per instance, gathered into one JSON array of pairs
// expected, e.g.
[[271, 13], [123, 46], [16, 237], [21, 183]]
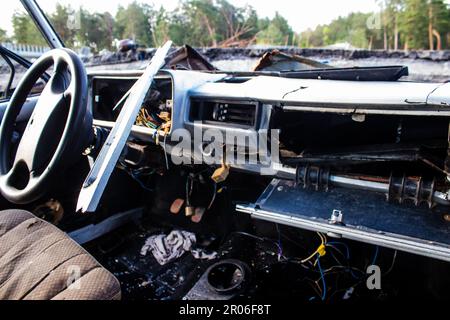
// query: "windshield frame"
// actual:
[[43, 24]]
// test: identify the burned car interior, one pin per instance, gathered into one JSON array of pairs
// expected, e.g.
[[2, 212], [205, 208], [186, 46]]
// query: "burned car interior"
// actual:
[[356, 174]]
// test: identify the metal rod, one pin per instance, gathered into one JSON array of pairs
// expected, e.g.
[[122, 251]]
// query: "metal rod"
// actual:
[[342, 181], [335, 180]]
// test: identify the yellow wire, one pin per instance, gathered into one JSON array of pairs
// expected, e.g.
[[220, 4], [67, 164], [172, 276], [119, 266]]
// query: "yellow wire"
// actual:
[[321, 249]]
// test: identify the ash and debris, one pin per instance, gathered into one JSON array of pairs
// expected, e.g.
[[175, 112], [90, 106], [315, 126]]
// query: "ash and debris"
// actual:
[[430, 66], [143, 278]]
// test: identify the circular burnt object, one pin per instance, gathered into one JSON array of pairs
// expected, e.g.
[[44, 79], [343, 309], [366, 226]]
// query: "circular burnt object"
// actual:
[[227, 276]]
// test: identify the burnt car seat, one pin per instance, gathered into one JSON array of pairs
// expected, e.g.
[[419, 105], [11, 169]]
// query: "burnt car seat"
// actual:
[[40, 262]]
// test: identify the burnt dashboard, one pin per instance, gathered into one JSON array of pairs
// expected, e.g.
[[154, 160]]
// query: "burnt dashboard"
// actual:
[[109, 93]]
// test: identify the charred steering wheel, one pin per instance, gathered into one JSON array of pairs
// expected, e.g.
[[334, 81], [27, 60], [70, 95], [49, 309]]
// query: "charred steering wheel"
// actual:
[[56, 133]]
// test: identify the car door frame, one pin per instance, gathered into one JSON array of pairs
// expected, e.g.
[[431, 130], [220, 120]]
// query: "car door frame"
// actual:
[[53, 40], [43, 24]]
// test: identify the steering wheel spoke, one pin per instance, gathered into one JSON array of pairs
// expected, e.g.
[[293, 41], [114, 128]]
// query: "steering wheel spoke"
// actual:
[[46, 121]]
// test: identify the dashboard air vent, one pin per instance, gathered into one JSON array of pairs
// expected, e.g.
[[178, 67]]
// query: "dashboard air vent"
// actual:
[[225, 112]]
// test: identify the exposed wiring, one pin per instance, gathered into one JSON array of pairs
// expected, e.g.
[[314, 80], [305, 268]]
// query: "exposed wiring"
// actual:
[[338, 251], [213, 196], [321, 249], [392, 264], [189, 188], [156, 118], [322, 276], [314, 263], [165, 152], [136, 173], [280, 249], [350, 269], [375, 256], [141, 184], [346, 267], [347, 249], [280, 252], [322, 237], [334, 256], [145, 120], [331, 269]]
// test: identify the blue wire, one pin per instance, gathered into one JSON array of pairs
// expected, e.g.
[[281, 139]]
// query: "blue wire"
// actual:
[[377, 248], [280, 248], [347, 249], [324, 290], [143, 186]]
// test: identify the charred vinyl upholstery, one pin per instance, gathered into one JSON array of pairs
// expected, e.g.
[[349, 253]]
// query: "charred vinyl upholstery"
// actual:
[[40, 262]]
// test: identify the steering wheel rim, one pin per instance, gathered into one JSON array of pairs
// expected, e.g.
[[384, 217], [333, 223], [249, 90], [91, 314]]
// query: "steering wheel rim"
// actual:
[[61, 110]]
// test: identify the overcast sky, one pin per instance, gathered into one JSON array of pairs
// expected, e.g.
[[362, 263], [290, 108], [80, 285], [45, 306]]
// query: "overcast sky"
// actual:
[[301, 14]]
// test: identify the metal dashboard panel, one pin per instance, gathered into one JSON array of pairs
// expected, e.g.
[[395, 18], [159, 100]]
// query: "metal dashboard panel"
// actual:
[[367, 217], [325, 92]]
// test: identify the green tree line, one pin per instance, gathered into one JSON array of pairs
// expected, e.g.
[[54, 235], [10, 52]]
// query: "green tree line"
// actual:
[[400, 24]]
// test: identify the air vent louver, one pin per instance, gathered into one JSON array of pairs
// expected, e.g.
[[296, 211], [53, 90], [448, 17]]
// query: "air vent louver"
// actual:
[[230, 113]]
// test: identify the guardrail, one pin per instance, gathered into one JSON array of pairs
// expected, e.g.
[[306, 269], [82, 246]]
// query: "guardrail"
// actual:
[[27, 51]]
